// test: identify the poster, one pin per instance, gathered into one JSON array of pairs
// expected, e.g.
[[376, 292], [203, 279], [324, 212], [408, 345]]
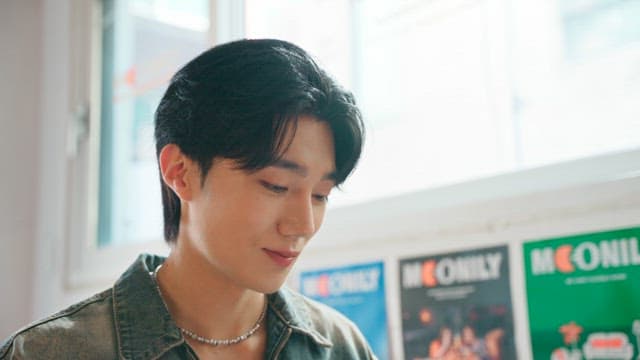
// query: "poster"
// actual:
[[358, 292], [457, 306], [583, 294]]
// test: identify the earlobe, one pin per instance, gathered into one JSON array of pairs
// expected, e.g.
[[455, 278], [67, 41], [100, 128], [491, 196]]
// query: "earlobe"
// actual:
[[174, 167]]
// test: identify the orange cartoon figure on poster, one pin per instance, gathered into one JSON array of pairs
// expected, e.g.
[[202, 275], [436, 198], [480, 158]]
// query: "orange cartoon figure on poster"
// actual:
[[571, 335]]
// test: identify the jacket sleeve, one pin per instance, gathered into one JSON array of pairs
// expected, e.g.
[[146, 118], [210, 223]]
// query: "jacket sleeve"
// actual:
[[6, 349], [18, 346], [71, 333]]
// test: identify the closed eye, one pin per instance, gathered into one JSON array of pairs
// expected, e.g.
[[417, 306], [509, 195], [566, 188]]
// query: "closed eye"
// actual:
[[273, 187]]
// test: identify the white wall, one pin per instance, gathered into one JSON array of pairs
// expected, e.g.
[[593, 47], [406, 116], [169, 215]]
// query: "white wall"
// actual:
[[20, 78]]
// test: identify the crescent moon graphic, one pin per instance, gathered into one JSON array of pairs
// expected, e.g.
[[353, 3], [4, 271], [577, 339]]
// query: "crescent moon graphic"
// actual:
[[428, 273], [562, 259]]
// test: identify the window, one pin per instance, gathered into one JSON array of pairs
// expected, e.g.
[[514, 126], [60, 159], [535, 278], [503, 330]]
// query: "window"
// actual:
[[144, 42], [576, 78]]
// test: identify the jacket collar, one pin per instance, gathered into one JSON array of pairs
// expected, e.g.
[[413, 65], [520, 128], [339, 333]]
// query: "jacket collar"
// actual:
[[291, 309], [143, 324]]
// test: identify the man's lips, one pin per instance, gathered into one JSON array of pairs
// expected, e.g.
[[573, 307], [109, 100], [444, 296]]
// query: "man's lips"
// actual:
[[282, 257]]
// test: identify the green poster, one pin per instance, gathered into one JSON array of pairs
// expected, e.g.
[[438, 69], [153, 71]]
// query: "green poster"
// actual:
[[583, 294]]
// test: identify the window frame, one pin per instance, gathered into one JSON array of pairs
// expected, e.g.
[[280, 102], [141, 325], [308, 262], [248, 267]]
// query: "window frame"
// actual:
[[87, 265]]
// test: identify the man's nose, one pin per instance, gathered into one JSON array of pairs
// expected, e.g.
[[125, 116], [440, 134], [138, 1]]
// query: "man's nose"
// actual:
[[298, 218]]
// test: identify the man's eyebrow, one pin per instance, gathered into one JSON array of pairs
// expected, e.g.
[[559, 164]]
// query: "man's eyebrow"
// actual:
[[300, 170]]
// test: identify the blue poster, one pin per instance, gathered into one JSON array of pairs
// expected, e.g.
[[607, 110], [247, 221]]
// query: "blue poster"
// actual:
[[357, 291]]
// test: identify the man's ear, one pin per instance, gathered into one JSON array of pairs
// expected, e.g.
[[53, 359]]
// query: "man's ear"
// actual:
[[177, 171]]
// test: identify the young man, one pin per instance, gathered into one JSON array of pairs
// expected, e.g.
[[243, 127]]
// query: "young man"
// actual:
[[251, 138]]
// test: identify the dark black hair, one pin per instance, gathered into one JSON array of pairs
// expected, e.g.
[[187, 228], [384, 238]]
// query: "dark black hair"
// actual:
[[237, 101]]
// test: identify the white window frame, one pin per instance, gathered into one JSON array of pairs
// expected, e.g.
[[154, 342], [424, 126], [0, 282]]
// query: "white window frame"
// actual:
[[87, 266]]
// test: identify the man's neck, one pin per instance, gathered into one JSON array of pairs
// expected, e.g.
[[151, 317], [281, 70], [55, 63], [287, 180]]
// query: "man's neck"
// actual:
[[204, 300]]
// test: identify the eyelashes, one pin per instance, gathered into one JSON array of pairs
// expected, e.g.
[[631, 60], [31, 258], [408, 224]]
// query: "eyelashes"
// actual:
[[278, 189], [321, 198], [273, 187]]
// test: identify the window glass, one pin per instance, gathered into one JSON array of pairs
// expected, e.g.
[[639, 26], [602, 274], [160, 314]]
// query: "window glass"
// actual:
[[462, 89], [576, 78], [143, 43]]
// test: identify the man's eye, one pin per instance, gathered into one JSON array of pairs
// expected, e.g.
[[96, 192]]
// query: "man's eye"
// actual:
[[321, 198], [273, 187]]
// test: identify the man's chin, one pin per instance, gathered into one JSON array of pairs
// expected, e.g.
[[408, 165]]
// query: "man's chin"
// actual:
[[270, 287]]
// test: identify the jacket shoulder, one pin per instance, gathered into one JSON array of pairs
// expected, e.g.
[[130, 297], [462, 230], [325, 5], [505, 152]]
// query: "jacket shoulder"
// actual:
[[342, 334], [83, 330]]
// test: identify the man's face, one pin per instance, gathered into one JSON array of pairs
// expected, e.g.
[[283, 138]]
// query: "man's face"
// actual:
[[250, 227]]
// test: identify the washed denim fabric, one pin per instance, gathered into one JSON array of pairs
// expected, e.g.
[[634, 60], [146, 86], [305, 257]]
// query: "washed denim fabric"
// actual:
[[130, 321]]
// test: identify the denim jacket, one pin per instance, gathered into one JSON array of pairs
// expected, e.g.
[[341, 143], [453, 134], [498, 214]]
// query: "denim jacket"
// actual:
[[130, 321]]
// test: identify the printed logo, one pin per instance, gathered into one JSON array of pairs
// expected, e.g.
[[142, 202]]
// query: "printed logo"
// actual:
[[614, 346], [586, 256], [340, 283], [451, 270]]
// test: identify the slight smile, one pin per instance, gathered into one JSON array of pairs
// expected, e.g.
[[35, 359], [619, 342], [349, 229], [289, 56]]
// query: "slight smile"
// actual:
[[282, 258]]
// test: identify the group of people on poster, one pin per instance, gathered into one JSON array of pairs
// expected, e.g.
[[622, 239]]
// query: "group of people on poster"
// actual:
[[466, 345]]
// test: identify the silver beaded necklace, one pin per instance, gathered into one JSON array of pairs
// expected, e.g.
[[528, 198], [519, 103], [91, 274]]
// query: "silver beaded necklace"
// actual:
[[210, 341]]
